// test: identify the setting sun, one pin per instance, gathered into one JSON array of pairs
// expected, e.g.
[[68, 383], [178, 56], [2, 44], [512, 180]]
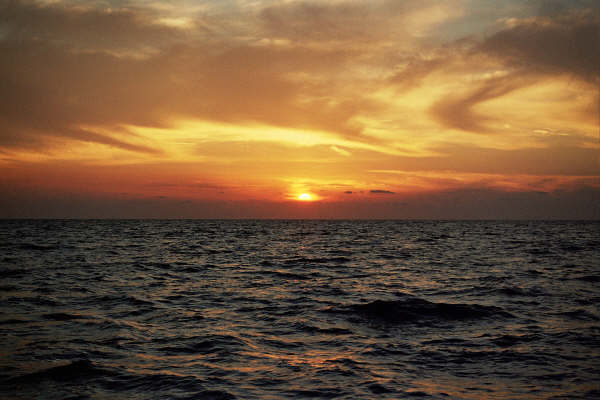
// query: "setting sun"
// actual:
[[305, 197]]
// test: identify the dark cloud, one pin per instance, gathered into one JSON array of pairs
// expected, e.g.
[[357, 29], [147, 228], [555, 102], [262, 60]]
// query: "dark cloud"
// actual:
[[457, 111], [54, 91], [415, 70], [381, 192], [562, 44], [317, 21], [84, 28], [533, 50], [554, 8], [87, 136], [361, 23]]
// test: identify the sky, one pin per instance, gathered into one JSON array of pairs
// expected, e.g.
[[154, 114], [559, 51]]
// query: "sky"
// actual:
[[399, 109]]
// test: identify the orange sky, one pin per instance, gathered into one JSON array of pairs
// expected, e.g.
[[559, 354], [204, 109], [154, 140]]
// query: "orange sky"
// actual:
[[234, 108]]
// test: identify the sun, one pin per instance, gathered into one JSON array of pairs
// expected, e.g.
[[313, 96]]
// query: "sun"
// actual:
[[305, 197]]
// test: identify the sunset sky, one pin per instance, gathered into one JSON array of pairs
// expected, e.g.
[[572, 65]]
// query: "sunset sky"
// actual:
[[236, 108]]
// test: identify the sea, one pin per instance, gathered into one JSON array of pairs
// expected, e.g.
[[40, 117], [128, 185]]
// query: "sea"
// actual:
[[299, 309]]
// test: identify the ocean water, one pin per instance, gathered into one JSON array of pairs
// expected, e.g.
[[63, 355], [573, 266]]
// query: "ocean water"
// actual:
[[193, 309]]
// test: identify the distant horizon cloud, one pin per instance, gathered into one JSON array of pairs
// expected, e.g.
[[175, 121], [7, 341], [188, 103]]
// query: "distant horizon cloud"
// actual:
[[378, 191]]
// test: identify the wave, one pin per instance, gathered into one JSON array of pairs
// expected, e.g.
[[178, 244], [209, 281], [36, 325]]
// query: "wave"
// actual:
[[120, 300], [12, 273], [74, 371], [325, 393], [63, 316], [13, 321], [512, 340], [286, 275], [210, 395], [37, 247], [37, 301], [413, 309], [377, 388], [317, 260], [84, 371], [519, 291], [580, 314], [207, 345], [318, 330], [588, 278], [150, 383], [467, 356]]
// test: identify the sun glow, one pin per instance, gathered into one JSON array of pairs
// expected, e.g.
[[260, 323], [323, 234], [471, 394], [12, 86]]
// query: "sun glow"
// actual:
[[305, 197]]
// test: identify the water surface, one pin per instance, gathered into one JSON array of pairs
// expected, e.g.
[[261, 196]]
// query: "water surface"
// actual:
[[299, 309]]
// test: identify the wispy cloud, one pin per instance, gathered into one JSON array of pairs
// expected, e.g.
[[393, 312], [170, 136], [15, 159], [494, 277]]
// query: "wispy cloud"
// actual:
[[341, 151]]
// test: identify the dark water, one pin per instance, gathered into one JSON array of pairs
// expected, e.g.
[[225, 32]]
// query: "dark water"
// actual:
[[299, 309]]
